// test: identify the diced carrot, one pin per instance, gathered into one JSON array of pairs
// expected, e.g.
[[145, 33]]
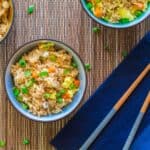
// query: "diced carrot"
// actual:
[[51, 69], [66, 96], [77, 83], [34, 74], [139, 5], [98, 12]]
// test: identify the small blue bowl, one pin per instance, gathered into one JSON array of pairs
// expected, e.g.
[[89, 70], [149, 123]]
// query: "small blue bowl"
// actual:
[[66, 110], [116, 25]]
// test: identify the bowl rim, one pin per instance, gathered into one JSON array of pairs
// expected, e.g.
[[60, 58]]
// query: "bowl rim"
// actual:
[[115, 26], [12, 22], [24, 114]]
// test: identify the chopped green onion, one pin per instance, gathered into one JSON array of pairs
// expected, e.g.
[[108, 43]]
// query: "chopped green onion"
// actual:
[[47, 95], [87, 67], [58, 95], [59, 100], [96, 29], [43, 74], [31, 9], [30, 83], [89, 5], [66, 71], [24, 90], [124, 20], [63, 91], [19, 98], [72, 87], [74, 65], [16, 91], [2, 143], [27, 73], [138, 13], [25, 106], [22, 62], [53, 58], [26, 141], [124, 53], [46, 46]]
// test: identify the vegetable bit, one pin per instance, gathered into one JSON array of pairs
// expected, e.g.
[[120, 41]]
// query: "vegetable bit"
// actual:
[[124, 53], [87, 67], [2, 143], [31, 9], [22, 62], [26, 141], [96, 29], [25, 106], [16, 91], [27, 73]]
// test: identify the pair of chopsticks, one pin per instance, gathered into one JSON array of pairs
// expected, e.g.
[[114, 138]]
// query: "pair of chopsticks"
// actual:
[[115, 109]]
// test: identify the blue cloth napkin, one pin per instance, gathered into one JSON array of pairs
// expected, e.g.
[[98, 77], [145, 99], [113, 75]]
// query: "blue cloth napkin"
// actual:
[[113, 137]]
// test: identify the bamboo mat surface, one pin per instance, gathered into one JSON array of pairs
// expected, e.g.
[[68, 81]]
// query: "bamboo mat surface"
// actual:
[[66, 21]]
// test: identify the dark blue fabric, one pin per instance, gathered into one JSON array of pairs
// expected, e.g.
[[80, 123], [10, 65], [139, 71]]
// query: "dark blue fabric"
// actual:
[[99, 104]]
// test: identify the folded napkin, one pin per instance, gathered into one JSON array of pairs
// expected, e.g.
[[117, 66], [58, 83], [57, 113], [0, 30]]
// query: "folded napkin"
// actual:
[[113, 137]]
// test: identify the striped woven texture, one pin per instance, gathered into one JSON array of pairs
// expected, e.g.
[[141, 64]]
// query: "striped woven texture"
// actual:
[[66, 21]]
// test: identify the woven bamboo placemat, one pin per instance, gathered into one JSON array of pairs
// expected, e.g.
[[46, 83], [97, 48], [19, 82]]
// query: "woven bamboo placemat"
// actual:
[[63, 20]]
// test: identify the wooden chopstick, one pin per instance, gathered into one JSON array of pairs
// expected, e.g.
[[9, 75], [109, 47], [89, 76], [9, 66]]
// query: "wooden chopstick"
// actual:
[[114, 110], [137, 123]]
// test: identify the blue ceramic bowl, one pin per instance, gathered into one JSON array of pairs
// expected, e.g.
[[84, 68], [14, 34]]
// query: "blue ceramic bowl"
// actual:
[[66, 110], [116, 25]]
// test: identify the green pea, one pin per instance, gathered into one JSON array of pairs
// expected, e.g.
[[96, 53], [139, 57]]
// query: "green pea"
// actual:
[[87, 67]]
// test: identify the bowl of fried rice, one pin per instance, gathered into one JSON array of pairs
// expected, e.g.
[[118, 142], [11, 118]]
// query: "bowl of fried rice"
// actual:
[[117, 13], [6, 17], [45, 80]]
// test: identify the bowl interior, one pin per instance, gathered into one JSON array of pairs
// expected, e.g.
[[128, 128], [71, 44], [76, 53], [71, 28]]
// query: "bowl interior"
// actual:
[[66, 110], [11, 18], [117, 25]]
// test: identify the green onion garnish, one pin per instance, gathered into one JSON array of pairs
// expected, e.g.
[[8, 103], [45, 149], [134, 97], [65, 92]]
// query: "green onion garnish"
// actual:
[[72, 87], [74, 65], [53, 58], [59, 100], [24, 90], [124, 53], [30, 83], [138, 13], [43, 74], [22, 62], [89, 5], [2, 143], [87, 67], [26, 141], [27, 73], [16, 91], [47, 95], [96, 29], [31, 9], [63, 91], [124, 20], [66, 71], [25, 106]]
